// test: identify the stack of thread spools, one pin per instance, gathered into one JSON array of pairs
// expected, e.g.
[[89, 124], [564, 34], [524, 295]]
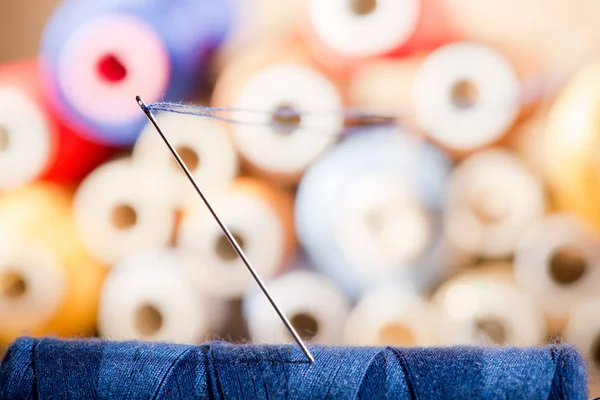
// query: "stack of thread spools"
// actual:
[[473, 219]]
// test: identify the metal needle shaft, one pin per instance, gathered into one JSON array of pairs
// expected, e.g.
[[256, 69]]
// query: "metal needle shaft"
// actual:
[[228, 234]]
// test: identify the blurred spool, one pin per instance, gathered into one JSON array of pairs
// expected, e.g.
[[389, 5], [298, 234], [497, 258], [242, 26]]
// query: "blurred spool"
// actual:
[[97, 56], [369, 211], [583, 330], [344, 33], [490, 202], [49, 284], [204, 146], [260, 217], [466, 96], [391, 316], [147, 297], [314, 305], [280, 76], [34, 143], [485, 308], [558, 262], [570, 145], [121, 208]]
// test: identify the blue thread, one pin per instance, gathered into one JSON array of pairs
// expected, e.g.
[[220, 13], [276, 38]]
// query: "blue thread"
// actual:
[[190, 30], [50, 368]]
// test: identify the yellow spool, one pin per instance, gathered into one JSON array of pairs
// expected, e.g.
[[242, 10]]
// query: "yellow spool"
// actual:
[[571, 146], [38, 217]]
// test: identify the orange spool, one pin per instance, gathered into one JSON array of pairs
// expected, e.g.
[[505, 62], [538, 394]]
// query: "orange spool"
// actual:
[[50, 285], [280, 77], [34, 142]]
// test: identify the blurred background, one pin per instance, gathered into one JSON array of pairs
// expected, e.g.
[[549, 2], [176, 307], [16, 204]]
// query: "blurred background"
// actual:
[[400, 172]]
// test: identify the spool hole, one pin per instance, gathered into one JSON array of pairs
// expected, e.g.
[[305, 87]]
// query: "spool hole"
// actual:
[[464, 94], [306, 325], [489, 207], [4, 138], [362, 7], [595, 350], [124, 216], [492, 329], [287, 119], [189, 157], [111, 68], [148, 320], [567, 265], [225, 250], [12, 285], [396, 334]]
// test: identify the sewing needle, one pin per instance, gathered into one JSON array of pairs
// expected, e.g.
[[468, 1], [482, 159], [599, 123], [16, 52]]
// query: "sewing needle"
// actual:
[[228, 234]]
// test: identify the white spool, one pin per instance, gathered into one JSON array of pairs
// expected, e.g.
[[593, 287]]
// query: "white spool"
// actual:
[[372, 30], [33, 283], [289, 86], [583, 330], [146, 297], [487, 310], [204, 146], [368, 211], [26, 146], [120, 208], [491, 200], [558, 262], [445, 109], [315, 307], [391, 316], [212, 263]]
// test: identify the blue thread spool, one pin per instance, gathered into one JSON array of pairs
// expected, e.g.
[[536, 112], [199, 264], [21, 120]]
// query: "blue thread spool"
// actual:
[[97, 56], [51, 368], [369, 211]]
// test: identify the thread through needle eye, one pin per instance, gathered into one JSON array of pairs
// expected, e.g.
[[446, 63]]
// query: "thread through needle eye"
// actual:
[[225, 230]]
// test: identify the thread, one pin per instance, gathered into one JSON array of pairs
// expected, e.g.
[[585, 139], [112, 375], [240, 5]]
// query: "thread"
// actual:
[[486, 308], [96, 59], [491, 200], [393, 315], [279, 76], [118, 209], [49, 284], [147, 297], [558, 262], [466, 95], [260, 218], [137, 370], [312, 321], [34, 143], [344, 34], [367, 212], [204, 146]]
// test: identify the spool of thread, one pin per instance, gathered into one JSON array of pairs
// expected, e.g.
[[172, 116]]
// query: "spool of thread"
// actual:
[[204, 146], [466, 95], [259, 217], [301, 296], [220, 370], [147, 297], [491, 200], [121, 208], [345, 33], [368, 211], [569, 144], [486, 308], [583, 330], [96, 57], [35, 143], [391, 316], [558, 262], [280, 77], [49, 284]]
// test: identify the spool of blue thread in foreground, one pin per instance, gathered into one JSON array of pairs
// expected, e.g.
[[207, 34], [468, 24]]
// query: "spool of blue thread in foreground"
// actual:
[[49, 368], [98, 55]]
